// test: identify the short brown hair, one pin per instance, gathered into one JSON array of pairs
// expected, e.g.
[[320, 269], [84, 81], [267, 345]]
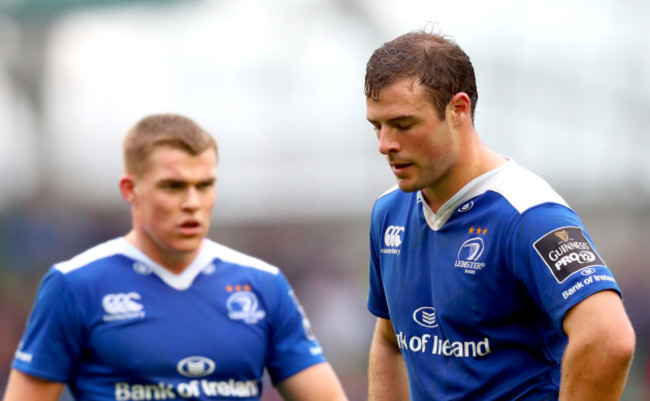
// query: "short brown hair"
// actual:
[[163, 130], [436, 60]]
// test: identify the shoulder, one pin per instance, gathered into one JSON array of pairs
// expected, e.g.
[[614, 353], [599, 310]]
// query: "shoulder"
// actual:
[[91, 255], [216, 251], [392, 198], [390, 190], [533, 207], [524, 189]]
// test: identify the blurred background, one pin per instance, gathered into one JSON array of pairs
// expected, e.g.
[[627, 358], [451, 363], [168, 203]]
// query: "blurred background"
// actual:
[[564, 89]]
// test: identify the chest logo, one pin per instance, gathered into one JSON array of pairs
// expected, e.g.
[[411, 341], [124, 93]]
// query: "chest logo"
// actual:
[[469, 254], [243, 305], [195, 366], [471, 249], [393, 239], [426, 316], [122, 306]]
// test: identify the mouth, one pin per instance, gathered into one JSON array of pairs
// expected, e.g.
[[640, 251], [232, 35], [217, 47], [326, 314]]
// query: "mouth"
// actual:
[[400, 168], [190, 227]]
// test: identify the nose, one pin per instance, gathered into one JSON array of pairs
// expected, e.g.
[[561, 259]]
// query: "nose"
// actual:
[[387, 141], [192, 200]]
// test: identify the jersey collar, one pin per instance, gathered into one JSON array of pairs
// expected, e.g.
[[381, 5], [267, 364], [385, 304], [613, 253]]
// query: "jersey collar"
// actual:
[[477, 186], [181, 281]]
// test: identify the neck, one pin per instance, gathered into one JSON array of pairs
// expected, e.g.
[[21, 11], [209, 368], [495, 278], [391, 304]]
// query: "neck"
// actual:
[[474, 160]]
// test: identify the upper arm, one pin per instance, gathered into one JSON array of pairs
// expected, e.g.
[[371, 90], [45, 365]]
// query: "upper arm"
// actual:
[[600, 319], [384, 333], [554, 258], [22, 387], [292, 345], [54, 337], [387, 374], [316, 383], [599, 353]]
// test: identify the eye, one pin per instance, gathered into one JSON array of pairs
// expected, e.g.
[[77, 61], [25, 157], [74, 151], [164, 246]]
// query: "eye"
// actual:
[[172, 185], [376, 128], [404, 126], [205, 185]]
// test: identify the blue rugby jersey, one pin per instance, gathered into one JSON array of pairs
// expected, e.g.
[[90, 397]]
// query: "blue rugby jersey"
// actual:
[[477, 292], [114, 325]]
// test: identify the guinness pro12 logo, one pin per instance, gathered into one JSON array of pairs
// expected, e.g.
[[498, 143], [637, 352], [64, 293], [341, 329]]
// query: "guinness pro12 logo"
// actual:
[[565, 251]]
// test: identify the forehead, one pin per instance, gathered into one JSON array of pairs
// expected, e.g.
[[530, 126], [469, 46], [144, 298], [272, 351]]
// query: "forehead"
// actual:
[[405, 95], [169, 162]]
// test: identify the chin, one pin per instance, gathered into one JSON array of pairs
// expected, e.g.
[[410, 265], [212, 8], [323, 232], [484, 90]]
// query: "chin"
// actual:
[[187, 245], [408, 187]]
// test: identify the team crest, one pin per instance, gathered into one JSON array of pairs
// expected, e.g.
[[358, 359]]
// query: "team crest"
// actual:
[[469, 255], [243, 305]]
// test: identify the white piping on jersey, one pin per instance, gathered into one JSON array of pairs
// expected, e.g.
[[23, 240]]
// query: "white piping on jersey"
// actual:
[[519, 186], [103, 250], [524, 189], [391, 189], [216, 250], [209, 252]]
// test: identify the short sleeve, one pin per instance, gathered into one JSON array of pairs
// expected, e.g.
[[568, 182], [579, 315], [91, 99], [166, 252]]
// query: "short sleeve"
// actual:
[[377, 304], [52, 341], [293, 347], [556, 260]]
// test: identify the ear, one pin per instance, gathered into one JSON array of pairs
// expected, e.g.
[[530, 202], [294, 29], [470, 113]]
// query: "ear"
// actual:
[[459, 109], [127, 188]]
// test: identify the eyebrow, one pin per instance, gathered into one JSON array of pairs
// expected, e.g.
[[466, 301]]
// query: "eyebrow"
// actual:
[[208, 181], [211, 180], [394, 119]]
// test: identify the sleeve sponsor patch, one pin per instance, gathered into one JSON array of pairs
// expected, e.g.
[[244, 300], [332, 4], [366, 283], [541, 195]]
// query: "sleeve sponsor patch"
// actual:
[[565, 251]]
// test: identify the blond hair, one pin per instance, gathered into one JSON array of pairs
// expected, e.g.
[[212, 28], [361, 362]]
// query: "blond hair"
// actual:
[[171, 130]]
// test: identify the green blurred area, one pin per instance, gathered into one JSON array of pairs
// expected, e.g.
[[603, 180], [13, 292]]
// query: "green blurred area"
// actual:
[[48, 8]]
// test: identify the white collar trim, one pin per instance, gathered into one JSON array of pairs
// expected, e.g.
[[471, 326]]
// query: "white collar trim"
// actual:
[[181, 281], [474, 188]]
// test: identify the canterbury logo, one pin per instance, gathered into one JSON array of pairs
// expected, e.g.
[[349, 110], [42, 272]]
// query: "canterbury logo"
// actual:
[[122, 306], [563, 235], [392, 236]]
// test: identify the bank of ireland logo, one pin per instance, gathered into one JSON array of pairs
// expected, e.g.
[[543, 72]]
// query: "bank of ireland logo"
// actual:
[[588, 271], [243, 305], [466, 207], [209, 269], [142, 268], [122, 306], [195, 366], [426, 316]]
